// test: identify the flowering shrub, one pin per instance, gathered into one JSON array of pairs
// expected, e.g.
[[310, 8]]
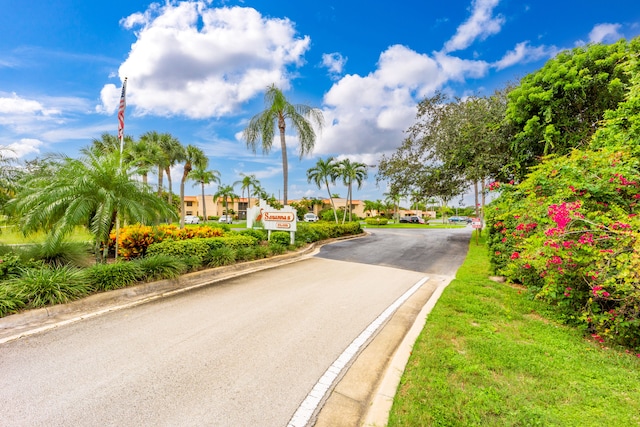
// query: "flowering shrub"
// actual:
[[135, 239], [570, 233]]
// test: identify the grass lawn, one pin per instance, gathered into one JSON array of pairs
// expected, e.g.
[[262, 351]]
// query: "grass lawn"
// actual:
[[410, 225], [10, 235], [490, 356]]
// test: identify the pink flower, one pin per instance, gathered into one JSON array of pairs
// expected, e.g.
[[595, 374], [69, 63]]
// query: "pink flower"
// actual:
[[527, 266], [515, 255]]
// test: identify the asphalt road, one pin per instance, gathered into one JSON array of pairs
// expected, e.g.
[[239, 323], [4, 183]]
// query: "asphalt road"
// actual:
[[244, 352]]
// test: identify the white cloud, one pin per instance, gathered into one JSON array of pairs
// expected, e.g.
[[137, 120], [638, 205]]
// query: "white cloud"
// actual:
[[481, 24], [22, 148], [193, 60], [334, 62], [523, 53], [366, 116], [607, 33], [15, 105]]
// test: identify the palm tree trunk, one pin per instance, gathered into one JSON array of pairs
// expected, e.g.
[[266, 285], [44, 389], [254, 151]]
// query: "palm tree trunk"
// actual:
[[285, 163], [170, 185], [204, 204], [160, 177], [333, 206]]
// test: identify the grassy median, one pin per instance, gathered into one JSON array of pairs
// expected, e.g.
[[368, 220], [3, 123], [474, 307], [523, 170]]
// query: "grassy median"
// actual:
[[491, 356]]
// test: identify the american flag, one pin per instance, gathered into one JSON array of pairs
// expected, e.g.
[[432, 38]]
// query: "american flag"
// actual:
[[123, 104]]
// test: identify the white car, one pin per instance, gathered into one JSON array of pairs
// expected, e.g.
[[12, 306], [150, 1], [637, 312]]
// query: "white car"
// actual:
[[191, 219], [227, 219], [310, 217]]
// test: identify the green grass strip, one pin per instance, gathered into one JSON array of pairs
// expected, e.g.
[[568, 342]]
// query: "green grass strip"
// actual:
[[491, 356]]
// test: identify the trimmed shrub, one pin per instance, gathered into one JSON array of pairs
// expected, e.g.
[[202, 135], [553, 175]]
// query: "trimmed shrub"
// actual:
[[376, 221], [10, 265], [260, 235], [245, 254], [280, 238], [196, 248]]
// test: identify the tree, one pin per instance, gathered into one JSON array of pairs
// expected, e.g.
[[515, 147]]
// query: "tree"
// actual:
[[193, 156], [278, 112], [202, 176], [247, 183], [323, 172], [8, 176], [90, 191], [351, 172], [142, 156], [171, 152], [225, 192], [108, 143], [558, 107]]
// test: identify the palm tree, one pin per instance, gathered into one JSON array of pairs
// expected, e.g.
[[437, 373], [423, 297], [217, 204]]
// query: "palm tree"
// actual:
[[152, 139], [142, 156], [192, 156], [171, 152], [90, 191], [322, 173], [370, 206], [247, 183], [202, 176], [225, 192], [393, 200], [351, 172], [278, 111]]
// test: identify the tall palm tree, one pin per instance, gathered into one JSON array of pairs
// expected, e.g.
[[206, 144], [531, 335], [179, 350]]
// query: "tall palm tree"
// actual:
[[172, 152], [247, 183], [225, 192], [142, 156], [192, 156], [202, 176], [91, 191], [393, 200], [279, 110], [152, 139], [323, 172], [351, 172], [107, 143]]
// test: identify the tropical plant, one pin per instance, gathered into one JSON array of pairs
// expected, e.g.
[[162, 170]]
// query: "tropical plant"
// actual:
[[225, 192], [322, 173], [171, 152], [91, 191], [351, 172], [39, 287], [193, 156], [278, 111], [248, 182], [202, 176], [142, 156]]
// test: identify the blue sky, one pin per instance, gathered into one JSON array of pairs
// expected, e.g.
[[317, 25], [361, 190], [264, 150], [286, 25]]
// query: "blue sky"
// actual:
[[198, 70]]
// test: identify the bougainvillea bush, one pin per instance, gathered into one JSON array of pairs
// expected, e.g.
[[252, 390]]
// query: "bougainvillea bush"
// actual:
[[571, 233]]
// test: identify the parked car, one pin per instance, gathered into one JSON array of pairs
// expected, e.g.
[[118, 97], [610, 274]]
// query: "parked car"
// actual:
[[191, 219], [459, 220], [227, 219], [310, 217], [412, 219]]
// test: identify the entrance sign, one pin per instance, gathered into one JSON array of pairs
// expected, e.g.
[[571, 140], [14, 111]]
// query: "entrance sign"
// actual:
[[272, 219]]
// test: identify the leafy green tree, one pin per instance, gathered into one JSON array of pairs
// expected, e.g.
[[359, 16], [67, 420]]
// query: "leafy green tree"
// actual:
[[558, 107], [322, 173], [107, 143], [9, 174], [351, 172], [193, 156], [225, 192], [278, 111], [202, 176], [90, 191]]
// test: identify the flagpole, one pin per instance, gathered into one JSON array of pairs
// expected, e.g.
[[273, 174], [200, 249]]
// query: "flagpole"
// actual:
[[121, 109]]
